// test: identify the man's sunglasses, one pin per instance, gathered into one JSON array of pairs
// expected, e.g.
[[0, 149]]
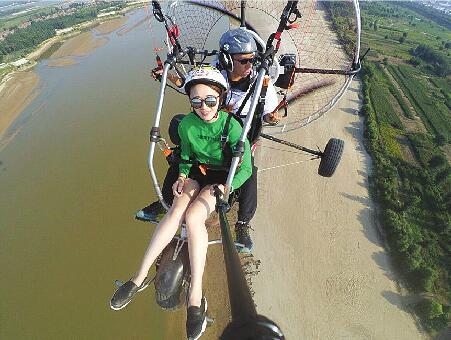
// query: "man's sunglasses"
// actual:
[[245, 61], [210, 101]]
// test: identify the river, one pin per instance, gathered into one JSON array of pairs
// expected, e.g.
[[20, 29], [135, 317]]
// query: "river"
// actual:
[[70, 182]]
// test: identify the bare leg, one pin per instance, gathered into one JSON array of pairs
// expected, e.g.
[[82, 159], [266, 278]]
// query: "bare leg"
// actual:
[[195, 218], [166, 229]]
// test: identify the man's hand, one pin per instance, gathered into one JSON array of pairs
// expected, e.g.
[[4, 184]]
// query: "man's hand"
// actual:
[[272, 118], [157, 73]]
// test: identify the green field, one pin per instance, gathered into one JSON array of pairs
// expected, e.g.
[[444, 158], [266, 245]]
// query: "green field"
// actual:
[[411, 180], [425, 99], [384, 24], [14, 21]]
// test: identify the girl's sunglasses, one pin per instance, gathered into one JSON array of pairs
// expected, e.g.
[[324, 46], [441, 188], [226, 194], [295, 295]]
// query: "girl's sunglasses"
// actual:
[[210, 101], [245, 61]]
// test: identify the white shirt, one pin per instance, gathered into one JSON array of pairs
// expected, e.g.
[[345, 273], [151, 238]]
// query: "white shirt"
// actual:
[[235, 97]]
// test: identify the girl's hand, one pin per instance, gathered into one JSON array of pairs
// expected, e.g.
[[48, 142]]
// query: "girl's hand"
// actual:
[[177, 187], [212, 190]]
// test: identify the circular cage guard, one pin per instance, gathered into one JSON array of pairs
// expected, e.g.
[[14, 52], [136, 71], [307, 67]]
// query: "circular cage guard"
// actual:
[[325, 44]]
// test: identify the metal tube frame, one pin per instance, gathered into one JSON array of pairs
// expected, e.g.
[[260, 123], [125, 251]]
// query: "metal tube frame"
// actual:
[[246, 128], [155, 129]]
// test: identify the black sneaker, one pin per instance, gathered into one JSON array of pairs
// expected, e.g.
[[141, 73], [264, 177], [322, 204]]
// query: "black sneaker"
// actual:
[[125, 293], [154, 212], [196, 320], [243, 237]]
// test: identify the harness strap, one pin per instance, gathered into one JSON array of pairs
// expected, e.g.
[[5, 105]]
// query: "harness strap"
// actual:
[[243, 104], [203, 167], [225, 133], [254, 132]]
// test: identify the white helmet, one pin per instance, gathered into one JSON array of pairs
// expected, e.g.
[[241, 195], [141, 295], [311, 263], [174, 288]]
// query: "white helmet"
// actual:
[[205, 75]]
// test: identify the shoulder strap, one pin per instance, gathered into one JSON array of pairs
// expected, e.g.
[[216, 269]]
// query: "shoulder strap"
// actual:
[[225, 132], [243, 104], [256, 127]]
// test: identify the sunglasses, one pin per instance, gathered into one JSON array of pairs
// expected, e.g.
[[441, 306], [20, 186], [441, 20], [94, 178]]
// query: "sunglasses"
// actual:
[[245, 61], [210, 101]]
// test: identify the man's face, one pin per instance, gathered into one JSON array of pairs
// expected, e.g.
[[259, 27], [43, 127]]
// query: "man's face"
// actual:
[[239, 69]]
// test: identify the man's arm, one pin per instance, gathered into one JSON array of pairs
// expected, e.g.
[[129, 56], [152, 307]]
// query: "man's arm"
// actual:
[[174, 78], [270, 114]]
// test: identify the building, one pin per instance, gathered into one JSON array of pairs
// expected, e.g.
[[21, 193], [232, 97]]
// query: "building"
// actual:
[[19, 62]]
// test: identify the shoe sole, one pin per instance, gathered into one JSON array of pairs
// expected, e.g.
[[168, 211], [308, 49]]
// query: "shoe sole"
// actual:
[[241, 248], [119, 308], [244, 250], [144, 218], [204, 327]]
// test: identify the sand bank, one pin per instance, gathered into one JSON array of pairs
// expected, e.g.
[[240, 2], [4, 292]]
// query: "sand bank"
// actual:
[[84, 43], [17, 90], [46, 45], [61, 62], [79, 46], [111, 25], [324, 272]]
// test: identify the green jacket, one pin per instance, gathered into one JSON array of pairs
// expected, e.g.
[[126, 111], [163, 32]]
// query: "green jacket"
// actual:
[[202, 141]]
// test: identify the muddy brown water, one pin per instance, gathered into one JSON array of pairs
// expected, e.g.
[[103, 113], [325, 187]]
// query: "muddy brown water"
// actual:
[[70, 182]]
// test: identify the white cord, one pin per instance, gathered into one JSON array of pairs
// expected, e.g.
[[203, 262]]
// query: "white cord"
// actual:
[[281, 166]]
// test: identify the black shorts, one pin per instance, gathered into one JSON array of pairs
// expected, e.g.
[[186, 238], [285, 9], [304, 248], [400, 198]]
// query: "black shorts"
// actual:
[[212, 176]]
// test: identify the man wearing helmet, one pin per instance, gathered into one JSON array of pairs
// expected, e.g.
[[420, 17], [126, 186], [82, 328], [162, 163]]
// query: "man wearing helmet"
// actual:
[[236, 59]]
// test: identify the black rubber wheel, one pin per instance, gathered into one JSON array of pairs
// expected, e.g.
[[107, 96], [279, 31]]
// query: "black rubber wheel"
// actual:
[[174, 301], [172, 277], [331, 158]]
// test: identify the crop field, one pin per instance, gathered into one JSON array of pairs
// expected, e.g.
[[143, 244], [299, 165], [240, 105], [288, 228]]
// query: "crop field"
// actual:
[[392, 30], [433, 112], [13, 21], [443, 86], [385, 113], [406, 77]]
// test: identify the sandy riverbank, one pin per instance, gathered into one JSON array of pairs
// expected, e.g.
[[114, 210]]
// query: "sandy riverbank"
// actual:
[[18, 89], [84, 43], [324, 272]]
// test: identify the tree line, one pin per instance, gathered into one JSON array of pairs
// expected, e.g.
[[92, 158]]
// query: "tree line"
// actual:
[[437, 62], [23, 41], [415, 205]]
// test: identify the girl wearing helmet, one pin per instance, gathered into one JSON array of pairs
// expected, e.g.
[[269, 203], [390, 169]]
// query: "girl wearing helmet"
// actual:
[[200, 138], [236, 60]]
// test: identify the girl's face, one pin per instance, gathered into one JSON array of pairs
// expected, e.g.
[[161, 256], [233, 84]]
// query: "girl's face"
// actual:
[[203, 93]]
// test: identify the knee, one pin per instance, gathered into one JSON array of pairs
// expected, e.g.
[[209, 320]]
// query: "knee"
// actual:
[[176, 210], [193, 220]]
